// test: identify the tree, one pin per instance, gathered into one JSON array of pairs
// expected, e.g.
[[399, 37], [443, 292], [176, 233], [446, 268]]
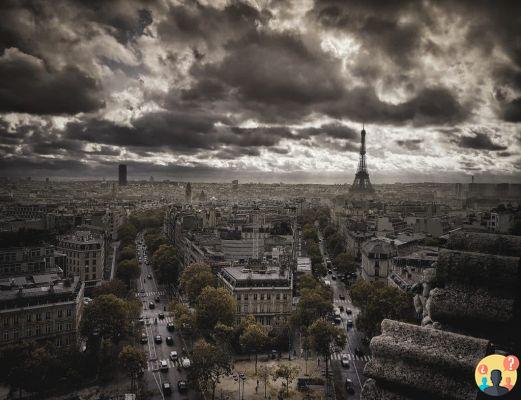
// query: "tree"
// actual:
[[195, 278], [133, 361], [313, 304], [335, 244], [127, 253], [309, 233], [154, 241], [345, 263], [105, 317], [184, 320], [254, 338], [377, 302], [127, 233], [287, 372], [167, 264], [212, 306], [115, 287], [264, 374], [209, 363], [128, 271], [323, 336]]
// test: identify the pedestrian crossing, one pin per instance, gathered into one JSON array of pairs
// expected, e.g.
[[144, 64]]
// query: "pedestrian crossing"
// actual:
[[351, 357], [154, 365], [149, 294], [163, 321], [338, 301]]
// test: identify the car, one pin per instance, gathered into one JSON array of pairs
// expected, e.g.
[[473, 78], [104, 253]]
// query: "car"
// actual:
[[170, 340], [147, 322], [349, 322], [144, 338], [163, 365], [323, 372], [149, 276], [333, 277], [341, 308], [151, 305], [158, 339], [170, 327], [141, 320], [329, 271], [359, 352], [161, 315], [344, 360], [341, 297], [157, 299], [167, 389], [182, 386], [337, 320], [174, 356], [349, 311], [350, 387], [185, 362]]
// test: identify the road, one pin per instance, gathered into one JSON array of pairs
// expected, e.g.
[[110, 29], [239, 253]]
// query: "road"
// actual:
[[148, 290], [357, 362]]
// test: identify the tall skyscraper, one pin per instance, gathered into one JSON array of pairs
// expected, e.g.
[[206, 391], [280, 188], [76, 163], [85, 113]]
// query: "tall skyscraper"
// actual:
[[188, 193], [122, 174], [362, 184]]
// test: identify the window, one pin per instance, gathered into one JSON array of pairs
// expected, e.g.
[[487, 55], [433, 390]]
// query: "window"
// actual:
[[278, 296], [245, 309], [59, 342], [262, 296], [59, 326], [28, 317], [239, 297], [60, 313], [69, 312], [29, 332], [15, 335], [6, 335], [69, 326], [268, 296], [255, 296], [38, 317], [6, 321], [284, 296], [245, 296], [38, 331], [48, 328], [48, 315]]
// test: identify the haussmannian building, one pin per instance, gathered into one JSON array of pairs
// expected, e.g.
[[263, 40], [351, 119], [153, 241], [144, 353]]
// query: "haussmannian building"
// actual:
[[262, 291], [85, 255], [40, 307]]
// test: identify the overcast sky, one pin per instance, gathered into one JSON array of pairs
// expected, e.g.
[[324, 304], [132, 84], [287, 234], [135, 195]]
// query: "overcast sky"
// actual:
[[261, 90]]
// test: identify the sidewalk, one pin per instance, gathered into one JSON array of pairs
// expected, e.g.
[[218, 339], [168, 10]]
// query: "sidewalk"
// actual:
[[229, 387]]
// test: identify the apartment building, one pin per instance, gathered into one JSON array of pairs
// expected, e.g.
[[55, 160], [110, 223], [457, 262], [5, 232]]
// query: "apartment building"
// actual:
[[40, 307], [263, 291], [85, 253], [16, 261]]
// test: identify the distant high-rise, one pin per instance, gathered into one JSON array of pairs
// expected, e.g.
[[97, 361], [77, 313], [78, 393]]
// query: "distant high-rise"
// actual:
[[362, 184], [122, 174], [188, 193]]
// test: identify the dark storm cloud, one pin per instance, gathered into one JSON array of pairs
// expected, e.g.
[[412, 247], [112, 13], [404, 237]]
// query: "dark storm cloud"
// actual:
[[511, 111], [196, 23], [334, 130], [480, 141], [410, 144], [378, 24], [27, 85], [179, 132], [277, 77]]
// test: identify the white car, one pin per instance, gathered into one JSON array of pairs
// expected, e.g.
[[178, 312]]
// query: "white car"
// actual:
[[185, 362], [344, 360], [163, 365], [173, 355]]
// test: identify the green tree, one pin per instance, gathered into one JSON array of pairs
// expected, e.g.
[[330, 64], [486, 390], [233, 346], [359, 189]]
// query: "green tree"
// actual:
[[212, 306], [377, 302], [209, 363], [264, 374], [287, 373], [184, 320], [335, 244], [154, 241], [115, 287], [254, 338], [107, 316], [314, 303], [133, 361], [309, 233], [195, 278], [127, 253], [127, 233], [324, 337], [128, 271], [167, 264], [345, 263]]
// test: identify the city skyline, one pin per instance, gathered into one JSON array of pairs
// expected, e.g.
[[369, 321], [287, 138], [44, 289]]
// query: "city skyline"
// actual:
[[261, 91]]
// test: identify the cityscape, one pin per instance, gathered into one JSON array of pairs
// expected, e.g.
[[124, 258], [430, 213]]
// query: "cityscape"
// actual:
[[239, 199]]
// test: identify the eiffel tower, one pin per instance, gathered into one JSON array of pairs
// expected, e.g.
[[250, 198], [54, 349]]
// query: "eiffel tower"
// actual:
[[362, 184]]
